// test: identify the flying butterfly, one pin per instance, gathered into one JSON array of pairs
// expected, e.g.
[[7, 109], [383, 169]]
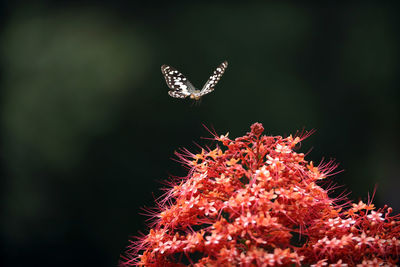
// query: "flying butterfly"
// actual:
[[182, 88]]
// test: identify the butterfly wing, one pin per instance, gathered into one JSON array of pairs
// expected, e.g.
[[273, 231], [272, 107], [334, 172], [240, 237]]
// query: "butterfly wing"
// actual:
[[177, 82], [214, 78]]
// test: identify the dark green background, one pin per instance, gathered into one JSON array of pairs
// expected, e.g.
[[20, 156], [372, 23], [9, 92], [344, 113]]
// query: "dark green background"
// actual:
[[88, 129]]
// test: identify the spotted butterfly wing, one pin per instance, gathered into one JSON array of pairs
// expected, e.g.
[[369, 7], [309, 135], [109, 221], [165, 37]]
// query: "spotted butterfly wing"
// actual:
[[177, 82], [214, 78]]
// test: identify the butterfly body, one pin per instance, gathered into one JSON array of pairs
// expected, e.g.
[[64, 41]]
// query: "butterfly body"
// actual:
[[196, 95], [182, 88]]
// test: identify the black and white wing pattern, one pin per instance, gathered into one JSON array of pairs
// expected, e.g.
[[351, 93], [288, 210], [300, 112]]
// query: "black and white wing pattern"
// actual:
[[179, 84], [214, 78]]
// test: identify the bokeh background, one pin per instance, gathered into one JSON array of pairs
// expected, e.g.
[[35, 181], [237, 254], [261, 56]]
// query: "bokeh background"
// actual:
[[88, 130]]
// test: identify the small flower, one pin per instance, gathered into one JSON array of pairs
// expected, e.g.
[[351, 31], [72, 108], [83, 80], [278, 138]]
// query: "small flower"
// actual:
[[375, 216], [363, 240], [339, 263], [320, 263]]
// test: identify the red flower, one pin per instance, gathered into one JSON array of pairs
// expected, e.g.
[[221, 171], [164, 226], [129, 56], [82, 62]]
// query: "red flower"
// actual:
[[257, 202]]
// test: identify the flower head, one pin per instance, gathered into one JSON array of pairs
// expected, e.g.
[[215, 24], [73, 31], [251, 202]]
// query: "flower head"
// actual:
[[256, 202]]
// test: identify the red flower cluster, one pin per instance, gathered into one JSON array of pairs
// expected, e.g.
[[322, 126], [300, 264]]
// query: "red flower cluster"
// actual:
[[257, 203]]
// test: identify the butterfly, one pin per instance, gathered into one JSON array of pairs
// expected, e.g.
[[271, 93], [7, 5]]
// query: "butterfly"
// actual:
[[182, 88]]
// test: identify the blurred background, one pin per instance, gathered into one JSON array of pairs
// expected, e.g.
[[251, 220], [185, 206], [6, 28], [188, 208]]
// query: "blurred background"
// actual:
[[88, 130]]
